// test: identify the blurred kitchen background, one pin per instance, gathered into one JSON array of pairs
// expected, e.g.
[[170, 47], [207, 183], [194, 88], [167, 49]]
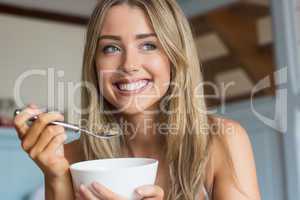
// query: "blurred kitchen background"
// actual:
[[250, 46]]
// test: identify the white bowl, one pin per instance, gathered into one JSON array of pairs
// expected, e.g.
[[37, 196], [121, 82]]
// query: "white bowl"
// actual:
[[120, 175]]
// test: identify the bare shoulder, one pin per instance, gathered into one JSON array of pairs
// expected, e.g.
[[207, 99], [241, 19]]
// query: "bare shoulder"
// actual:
[[229, 138], [73, 151], [233, 161], [229, 133]]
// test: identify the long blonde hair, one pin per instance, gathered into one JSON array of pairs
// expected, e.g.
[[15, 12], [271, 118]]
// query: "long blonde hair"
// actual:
[[187, 148]]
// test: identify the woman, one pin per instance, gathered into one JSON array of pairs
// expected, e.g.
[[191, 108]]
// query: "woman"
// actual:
[[141, 66]]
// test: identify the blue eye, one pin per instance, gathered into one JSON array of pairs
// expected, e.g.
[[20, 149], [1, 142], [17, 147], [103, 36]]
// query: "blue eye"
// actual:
[[110, 49], [150, 46]]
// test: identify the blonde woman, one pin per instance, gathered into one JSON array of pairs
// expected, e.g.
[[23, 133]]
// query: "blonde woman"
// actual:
[[142, 69]]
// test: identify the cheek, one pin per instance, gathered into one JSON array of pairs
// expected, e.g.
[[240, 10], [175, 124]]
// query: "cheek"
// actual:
[[160, 69], [159, 66], [107, 63]]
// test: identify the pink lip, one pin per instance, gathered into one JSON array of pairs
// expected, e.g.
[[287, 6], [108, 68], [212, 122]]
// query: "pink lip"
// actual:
[[128, 93]]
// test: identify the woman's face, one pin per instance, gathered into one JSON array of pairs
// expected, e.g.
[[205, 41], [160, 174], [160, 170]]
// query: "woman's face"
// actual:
[[133, 69]]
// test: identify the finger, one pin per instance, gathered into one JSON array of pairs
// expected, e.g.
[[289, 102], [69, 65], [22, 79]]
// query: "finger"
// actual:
[[104, 193], [45, 138], [20, 120], [33, 106], [37, 127], [54, 144], [86, 193], [150, 191]]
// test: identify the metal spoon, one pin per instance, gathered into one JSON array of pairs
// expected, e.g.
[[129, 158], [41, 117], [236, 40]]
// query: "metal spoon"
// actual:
[[103, 135]]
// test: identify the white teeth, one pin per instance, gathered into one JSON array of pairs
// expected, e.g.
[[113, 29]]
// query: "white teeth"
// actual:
[[132, 86]]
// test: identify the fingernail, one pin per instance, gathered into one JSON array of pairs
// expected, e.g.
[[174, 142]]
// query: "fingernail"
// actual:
[[82, 187], [65, 136], [139, 192]]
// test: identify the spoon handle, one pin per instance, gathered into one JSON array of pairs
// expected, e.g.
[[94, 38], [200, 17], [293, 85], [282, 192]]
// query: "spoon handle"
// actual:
[[68, 126], [64, 124]]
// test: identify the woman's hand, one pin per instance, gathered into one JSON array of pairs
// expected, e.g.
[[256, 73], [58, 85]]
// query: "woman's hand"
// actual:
[[96, 192], [43, 142], [150, 192], [100, 192]]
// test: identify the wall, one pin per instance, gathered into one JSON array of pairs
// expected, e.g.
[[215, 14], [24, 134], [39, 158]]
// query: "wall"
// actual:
[[31, 44]]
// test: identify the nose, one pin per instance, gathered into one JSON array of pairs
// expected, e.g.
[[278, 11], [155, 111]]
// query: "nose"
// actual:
[[130, 62]]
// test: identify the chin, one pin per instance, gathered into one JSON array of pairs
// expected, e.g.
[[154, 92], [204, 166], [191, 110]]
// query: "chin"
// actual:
[[143, 109]]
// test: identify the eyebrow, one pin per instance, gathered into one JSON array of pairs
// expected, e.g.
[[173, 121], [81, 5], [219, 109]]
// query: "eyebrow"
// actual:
[[138, 36]]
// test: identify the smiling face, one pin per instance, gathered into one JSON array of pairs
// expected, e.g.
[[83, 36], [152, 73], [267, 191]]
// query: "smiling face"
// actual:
[[133, 69]]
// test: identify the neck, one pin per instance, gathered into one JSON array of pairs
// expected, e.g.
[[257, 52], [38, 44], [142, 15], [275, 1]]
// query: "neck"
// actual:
[[141, 134]]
